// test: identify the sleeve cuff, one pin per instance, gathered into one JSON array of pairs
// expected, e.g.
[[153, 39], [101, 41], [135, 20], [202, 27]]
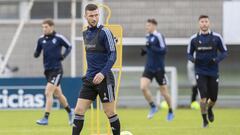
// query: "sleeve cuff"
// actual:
[[103, 72]]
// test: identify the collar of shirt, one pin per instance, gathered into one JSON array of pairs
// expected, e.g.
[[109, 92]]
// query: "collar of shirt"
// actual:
[[200, 32], [50, 35], [92, 28], [153, 33]]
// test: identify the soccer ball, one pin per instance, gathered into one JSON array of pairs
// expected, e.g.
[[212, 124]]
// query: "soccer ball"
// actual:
[[164, 105], [195, 105], [126, 133]]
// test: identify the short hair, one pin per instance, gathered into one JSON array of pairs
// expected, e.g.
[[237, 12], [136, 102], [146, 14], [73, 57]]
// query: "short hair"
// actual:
[[91, 7], [152, 21], [202, 16], [48, 21]]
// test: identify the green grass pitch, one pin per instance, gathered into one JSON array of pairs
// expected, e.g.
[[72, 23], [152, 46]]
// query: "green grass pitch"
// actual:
[[187, 122]]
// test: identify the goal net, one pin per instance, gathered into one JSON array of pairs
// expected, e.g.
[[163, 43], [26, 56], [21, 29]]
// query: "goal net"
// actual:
[[131, 94]]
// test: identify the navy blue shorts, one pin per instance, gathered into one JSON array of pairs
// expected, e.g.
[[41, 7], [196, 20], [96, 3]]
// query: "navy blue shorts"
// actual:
[[54, 76], [105, 89], [207, 86], [158, 75]]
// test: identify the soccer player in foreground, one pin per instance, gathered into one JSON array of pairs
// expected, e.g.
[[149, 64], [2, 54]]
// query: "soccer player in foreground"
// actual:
[[210, 49], [99, 80], [51, 44], [155, 68]]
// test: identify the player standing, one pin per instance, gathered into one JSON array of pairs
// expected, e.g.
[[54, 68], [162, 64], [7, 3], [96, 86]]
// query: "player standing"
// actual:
[[210, 49], [155, 67], [99, 79], [51, 44]]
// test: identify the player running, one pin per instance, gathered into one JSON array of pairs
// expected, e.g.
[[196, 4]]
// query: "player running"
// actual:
[[154, 68], [210, 49], [99, 80], [51, 44]]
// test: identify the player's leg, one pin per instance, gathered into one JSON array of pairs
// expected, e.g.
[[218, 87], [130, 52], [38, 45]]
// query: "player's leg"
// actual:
[[58, 94], [165, 93], [194, 103], [50, 88], [144, 86], [107, 96], [213, 93], [194, 93], [87, 94], [109, 109], [202, 87], [192, 80], [162, 81], [145, 82], [53, 78], [80, 109]]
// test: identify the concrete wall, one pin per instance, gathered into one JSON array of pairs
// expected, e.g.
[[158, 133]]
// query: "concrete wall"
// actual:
[[176, 18], [22, 55]]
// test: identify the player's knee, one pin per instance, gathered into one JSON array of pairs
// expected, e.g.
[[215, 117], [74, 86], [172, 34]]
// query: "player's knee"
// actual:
[[203, 100], [48, 94], [58, 95], [144, 87], [109, 113], [164, 93], [80, 110], [213, 99]]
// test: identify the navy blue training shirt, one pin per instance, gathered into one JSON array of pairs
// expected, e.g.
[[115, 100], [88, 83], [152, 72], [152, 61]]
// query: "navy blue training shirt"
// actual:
[[52, 50], [156, 50], [206, 48], [100, 50]]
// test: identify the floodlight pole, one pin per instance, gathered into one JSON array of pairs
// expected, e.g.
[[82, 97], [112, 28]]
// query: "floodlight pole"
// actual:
[[73, 35]]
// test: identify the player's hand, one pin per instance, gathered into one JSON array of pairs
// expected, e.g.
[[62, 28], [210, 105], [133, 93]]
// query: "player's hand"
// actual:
[[147, 45], [98, 78], [14, 69], [36, 54], [62, 58], [143, 52], [116, 39]]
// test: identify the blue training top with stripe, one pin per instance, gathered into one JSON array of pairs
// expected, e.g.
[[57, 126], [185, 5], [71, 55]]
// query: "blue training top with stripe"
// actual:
[[100, 50], [203, 49], [52, 50], [156, 50]]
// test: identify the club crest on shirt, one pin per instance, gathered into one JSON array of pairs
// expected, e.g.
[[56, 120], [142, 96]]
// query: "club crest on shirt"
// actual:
[[54, 40], [152, 39]]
